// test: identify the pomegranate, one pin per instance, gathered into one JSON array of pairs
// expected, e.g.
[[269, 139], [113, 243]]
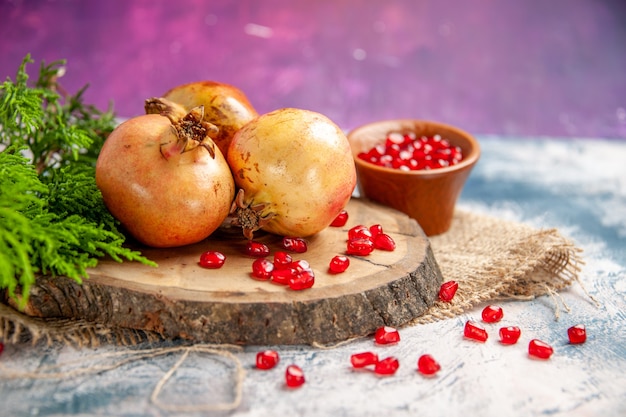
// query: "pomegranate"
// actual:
[[164, 179], [225, 106], [295, 172]]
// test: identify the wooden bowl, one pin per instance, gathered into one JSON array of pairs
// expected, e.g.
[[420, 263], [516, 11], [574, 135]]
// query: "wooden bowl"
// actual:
[[428, 196]]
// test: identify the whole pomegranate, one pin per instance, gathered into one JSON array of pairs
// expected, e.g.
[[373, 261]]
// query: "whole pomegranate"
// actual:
[[164, 179], [225, 106], [294, 170]]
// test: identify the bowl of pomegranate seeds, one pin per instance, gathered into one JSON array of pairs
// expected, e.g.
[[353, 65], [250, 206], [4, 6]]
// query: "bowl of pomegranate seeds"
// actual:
[[415, 166]]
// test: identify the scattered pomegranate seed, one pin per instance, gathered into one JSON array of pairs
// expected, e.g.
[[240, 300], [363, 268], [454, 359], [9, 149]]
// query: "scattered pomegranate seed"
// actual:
[[267, 359], [385, 242], [475, 331], [492, 314], [1, 348], [386, 335], [360, 247], [295, 244], [539, 349], [212, 259], [447, 290], [302, 280], [282, 260], [262, 269], [577, 334], [375, 229], [339, 264], [406, 152], [427, 365], [363, 359], [257, 249], [510, 335], [294, 377], [387, 366], [359, 232], [282, 276], [300, 265], [341, 219]]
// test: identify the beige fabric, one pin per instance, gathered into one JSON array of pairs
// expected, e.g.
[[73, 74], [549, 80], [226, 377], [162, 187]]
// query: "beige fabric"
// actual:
[[490, 259]]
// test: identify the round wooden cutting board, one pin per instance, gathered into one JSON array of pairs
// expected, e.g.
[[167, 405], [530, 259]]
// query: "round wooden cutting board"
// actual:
[[180, 299]]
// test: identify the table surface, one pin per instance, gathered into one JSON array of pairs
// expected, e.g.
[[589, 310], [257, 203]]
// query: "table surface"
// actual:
[[575, 185]]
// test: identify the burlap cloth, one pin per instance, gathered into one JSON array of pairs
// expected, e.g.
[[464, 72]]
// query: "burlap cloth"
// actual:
[[490, 258]]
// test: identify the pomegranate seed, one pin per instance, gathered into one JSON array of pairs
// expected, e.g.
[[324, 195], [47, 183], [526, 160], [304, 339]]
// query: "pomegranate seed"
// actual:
[[262, 269], [302, 280], [427, 365], [339, 264], [385, 242], [361, 360], [267, 359], [492, 314], [282, 276], [1, 348], [341, 219], [257, 249], [300, 265], [577, 334], [294, 377], [539, 349], [212, 259], [474, 331], [360, 247], [375, 229], [295, 244], [447, 290], [387, 366], [282, 260], [359, 232], [510, 335], [386, 335]]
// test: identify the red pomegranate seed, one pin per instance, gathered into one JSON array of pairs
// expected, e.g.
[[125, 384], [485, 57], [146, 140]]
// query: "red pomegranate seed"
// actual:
[[212, 259], [282, 276], [375, 230], [257, 249], [475, 331], [295, 244], [339, 264], [386, 335], [387, 366], [359, 232], [363, 359], [1, 348], [427, 365], [262, 269], [385, 242], [447, 290], [539, 349], [492, 314], [267, 359], [300, 265], [282, 260], [577, 334], [510, 335], [302, 280], [360, 247], [341, 219], [294, 377]]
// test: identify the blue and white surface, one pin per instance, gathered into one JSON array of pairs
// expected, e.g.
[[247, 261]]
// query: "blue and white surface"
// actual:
[[575, 185]]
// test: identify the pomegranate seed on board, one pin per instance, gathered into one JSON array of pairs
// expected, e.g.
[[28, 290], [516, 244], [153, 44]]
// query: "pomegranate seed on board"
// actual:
[[212, 259], [282, 260], [282, 276], [385, 242], [577, 334], [262, 269], [257, 249], [492, 314], [475, 331], [302, 280], [427, 365], [294, 377], [539, 349], [267, 359], [359, 247], [363, 359], [387, 366], [341, 219], [339, 264], [386, 335], [295, 244], [447, 290], [375, 230], [359, 232], [510, 335]]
